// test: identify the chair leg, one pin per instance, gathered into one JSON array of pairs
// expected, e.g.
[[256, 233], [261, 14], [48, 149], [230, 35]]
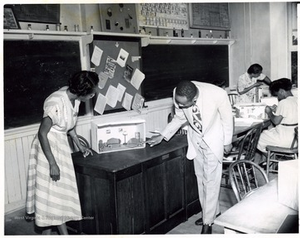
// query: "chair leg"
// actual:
[[268, 163]]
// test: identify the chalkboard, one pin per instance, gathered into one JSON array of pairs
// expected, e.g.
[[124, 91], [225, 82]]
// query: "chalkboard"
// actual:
[[111, 46], [33, 69], [209, 16], [165, 66], [42, 13]]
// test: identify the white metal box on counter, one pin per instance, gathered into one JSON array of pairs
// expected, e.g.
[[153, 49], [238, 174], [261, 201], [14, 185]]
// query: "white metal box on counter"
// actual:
[[109, 136], [251, 110]]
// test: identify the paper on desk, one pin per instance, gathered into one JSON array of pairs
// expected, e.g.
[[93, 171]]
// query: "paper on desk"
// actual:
[[100, 103], [245, 121], [96, 57]]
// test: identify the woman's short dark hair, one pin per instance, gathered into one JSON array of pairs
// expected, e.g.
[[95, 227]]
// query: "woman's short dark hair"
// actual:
[[186, 88], [83, 83], [255, 69], [283, 83]]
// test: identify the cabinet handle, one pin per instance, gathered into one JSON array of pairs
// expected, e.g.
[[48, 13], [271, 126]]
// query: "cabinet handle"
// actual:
[[167, 156]]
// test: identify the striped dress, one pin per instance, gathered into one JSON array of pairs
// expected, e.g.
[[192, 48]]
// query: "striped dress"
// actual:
[[54, 202]]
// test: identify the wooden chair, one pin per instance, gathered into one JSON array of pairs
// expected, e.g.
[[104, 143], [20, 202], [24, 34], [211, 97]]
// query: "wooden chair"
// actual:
[[246, 149], [82, 141], [245, 177], [277, 154]]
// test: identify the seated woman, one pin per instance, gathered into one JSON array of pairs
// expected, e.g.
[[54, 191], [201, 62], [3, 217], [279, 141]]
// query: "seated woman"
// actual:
[[284, 117], [249, 82]]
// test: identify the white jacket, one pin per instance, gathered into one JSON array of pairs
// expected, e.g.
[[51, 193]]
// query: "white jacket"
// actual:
[[217, 120]]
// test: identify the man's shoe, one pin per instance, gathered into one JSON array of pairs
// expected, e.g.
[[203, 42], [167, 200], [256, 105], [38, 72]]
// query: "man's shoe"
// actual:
[[199, 222], [206, 229]]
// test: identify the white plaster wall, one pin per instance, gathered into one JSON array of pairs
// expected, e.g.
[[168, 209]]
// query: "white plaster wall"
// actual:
[[280, 62]]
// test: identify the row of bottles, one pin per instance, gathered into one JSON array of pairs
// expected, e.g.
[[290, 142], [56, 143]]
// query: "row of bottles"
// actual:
[[59, 28], [210, 35]]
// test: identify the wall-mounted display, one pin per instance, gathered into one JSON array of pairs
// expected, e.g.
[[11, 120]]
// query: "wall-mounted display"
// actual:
[[118, 18], [163, 15], [9, 19], [214, 16]]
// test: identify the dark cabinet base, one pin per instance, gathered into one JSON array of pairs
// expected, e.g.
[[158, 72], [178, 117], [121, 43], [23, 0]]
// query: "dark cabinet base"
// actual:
[[145, 191]]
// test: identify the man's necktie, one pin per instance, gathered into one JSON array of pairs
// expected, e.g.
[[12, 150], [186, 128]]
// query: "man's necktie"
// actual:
[[197, 117]]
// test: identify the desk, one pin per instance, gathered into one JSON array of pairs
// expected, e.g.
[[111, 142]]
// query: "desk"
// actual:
[[240, 131], [259, 213]]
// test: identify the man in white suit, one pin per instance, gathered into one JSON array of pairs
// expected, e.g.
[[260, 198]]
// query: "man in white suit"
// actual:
[[209, 136]]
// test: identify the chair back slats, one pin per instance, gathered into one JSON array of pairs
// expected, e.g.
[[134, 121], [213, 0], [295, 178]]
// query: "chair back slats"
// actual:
[[275, 154], [245, 177], [249, 143]]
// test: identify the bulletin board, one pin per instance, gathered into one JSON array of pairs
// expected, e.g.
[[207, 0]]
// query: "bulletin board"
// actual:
[[33, 69], [209, 16], [113, 76]]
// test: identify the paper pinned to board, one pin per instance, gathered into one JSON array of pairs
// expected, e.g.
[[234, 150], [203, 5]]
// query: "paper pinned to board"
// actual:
[[110, 67], [122, 57], [138, 102], [102, 79], [96, 56], [100, 103], [122, 90], [137, 78], [112, 96], [127, 101]]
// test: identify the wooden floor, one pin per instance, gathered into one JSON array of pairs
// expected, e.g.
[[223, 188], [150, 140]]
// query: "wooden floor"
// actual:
[[15, 223]]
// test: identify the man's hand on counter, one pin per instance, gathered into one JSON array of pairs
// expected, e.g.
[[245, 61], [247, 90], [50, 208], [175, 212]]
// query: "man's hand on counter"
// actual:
[[154, 140]]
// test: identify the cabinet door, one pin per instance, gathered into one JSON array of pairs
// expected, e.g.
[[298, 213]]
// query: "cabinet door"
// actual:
[[130, 205], [96, 205], [164, 184], [191, 189]]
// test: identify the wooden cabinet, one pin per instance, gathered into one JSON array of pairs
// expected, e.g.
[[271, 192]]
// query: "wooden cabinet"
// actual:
[[136, 192], [164, 187]]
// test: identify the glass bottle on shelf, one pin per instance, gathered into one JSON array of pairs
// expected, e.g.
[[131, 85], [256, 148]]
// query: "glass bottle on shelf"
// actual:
[[58, 26], [29, 27], [65, 28]]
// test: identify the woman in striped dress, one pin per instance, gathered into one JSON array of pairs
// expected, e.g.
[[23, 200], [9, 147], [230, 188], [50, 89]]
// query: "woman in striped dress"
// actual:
[[52, 194]]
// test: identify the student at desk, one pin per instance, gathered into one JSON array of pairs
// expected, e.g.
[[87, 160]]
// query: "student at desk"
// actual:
[[207, 110], [249, 82], [52, 194], [284, 117]]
